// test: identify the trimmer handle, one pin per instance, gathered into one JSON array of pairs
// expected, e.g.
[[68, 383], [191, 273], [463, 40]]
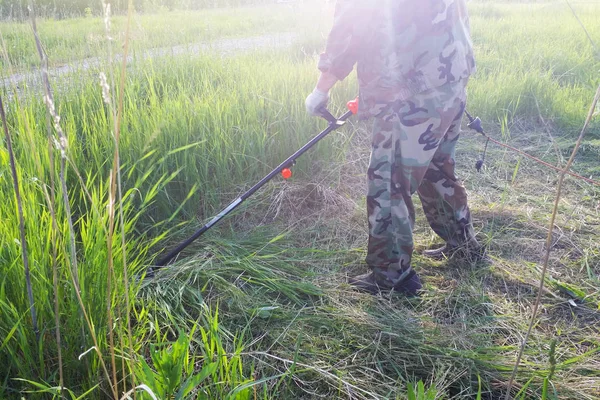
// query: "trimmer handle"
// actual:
[[352, 110], [284, 169], [324, 113]]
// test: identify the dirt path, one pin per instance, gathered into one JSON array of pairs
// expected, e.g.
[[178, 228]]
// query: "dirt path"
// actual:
[[224, 47]]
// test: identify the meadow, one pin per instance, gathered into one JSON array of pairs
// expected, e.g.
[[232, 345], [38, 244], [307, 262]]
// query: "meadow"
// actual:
[[259, 307]]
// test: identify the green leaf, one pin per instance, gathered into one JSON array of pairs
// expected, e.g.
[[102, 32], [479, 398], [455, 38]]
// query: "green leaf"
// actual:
[[193, 381], [421, 390], [570, 290], [250, 383], [3, 158], [148, 377], [277, 238], [523, 391], [410, 392], [44, 388], [187, 146], [545, 389], [86, 393], [12, 331], [169, 363]]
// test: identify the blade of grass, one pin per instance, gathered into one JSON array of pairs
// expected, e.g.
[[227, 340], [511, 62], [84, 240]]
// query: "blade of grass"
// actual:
[[24, 253]]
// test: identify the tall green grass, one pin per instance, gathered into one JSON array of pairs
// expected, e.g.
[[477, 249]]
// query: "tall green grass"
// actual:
[[534, 61], [74, 39], [188, 135]]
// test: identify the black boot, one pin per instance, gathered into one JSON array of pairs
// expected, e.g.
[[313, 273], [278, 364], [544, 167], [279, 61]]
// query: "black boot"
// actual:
[[408, 285]]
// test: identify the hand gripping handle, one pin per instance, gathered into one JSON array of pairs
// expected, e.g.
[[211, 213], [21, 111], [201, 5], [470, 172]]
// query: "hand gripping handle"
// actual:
[[352, 110]]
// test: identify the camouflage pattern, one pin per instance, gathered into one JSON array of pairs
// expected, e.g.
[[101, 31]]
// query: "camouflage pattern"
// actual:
[[414, 60], [402, 47], [413, 145]]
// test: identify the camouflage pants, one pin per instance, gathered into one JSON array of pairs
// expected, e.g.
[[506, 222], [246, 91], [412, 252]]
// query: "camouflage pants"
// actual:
[[413, 147]]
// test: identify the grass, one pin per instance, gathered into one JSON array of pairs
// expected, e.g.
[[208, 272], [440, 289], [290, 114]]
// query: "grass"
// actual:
[[263, 297], [75, 39], [547, 68]]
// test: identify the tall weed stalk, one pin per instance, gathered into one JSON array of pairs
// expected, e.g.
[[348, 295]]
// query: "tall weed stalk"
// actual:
[[115, 192], [62, 144], [50, 196], [550, 237]]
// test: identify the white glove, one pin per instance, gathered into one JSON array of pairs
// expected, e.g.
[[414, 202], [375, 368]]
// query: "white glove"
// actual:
[[315, 101]]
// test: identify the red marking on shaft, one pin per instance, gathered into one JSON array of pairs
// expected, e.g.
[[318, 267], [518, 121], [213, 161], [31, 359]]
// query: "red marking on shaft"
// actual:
[[286, 173], [353, 106]]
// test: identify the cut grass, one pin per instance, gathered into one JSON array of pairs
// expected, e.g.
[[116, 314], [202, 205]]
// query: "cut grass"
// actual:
[[467, 324]]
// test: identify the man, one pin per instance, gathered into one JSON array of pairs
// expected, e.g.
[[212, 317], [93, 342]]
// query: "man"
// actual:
[[414, 60]]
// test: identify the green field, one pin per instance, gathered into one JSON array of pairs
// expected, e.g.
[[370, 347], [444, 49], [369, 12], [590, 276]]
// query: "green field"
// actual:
[[259, 307]]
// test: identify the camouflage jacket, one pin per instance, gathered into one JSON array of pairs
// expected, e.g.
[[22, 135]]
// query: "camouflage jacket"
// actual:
[[402, 47]]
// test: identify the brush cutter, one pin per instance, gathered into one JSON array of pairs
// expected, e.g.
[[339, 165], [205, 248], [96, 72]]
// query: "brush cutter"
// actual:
[[284, 169]]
